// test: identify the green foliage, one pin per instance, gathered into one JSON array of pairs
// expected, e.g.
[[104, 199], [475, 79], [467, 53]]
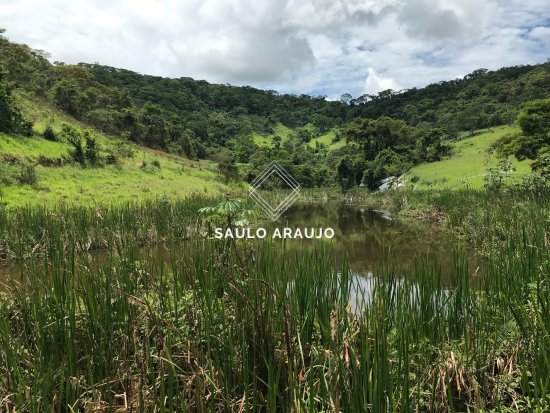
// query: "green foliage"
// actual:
[[430, 145], [373, 136], [72, 136], [480, 100], [27, 175], [198, 120], [346, 172], [541, 165], [49, 134], [391, 147], [92, 152], [534, 121], [227, 168], [534, 118], [112, 159], [228, 214], [467, 165], [275, 320], [387, 163], [496, 177], [11, 120]]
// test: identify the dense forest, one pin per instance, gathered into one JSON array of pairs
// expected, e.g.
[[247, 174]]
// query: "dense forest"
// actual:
[[384, 134]]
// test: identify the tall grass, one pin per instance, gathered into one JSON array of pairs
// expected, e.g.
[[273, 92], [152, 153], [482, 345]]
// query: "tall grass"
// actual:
[[27, 232], [238, 326]]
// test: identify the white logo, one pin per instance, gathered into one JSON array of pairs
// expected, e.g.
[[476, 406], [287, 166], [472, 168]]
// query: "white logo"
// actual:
[[274, 169]]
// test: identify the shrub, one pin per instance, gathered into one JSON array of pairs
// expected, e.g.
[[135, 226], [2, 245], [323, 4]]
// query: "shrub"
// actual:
[[92, 151], [156, 163], [78, 153], [49, 134], [111, 159], [27, 175]]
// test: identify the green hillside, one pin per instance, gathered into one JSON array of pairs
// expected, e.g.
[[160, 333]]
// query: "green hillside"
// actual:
[[135, 176], [266, 140], [468, 164], [326, 140], [323, 143], [284, 132]]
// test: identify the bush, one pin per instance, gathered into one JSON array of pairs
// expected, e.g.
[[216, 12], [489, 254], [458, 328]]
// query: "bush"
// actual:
[[78, 153], [156, 163], [49, 134], [92, 151], [27, 175], [111, 159], [228, 170]]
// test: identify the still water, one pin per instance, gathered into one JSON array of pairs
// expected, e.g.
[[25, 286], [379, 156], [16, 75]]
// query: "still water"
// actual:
[[368, 239], [372, 239]]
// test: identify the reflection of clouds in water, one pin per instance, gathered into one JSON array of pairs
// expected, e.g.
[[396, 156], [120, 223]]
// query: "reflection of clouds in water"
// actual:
[[362, 289]]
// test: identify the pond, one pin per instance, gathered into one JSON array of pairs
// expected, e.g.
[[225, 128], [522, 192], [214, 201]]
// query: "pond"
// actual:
[[371, 239], [368, 239]]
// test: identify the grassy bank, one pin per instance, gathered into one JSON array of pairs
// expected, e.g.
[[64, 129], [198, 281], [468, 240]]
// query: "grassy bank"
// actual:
[[139, 173], [467, 166], [221, 325]]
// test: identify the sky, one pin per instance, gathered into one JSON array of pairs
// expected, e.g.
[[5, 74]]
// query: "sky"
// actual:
[[316, 47]]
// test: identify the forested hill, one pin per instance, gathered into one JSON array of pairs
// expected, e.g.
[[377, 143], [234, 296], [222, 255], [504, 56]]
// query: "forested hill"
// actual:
[[347, 142], [479, 100], [123, 102], [185, 96]]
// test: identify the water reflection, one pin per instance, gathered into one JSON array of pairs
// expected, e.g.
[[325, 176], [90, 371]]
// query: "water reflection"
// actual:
[[371, 239]]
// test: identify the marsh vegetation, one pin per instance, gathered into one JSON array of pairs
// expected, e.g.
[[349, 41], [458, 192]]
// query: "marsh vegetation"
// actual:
[[269, 326]]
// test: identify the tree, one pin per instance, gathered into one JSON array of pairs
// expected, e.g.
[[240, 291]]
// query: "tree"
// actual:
[[534, 121], [430, 145], [228, 169], [379, 134], [11, 119], [346, 173], [387, 163], [72, 135], [542, 165], [345, 98], [49, 134], [276, 142]]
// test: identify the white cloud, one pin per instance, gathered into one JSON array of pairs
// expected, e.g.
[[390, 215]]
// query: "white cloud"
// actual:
[[301, 46], [376, 83]]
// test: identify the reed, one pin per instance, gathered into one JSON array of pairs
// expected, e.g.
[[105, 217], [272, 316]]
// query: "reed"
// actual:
[[27, 232], [211, 325]]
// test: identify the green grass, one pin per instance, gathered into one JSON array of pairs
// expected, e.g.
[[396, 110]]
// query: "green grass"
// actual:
[[267, 140], [468, 164], [71, 183], [284, 132], [326, 140]]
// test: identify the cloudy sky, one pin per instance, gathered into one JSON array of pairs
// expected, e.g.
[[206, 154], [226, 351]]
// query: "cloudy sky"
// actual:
[[318, 47]]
